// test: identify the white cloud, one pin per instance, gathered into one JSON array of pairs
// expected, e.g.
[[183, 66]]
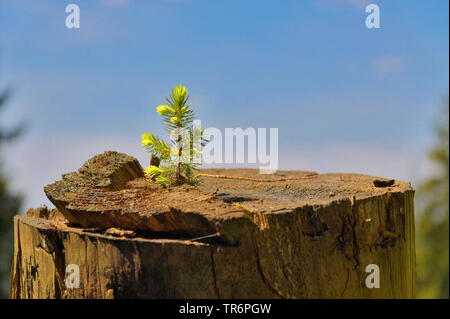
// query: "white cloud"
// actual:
[[116, 2], [40, 160], [388, 64], [37, 161], [355, 3], [174, 1], [95, 26], [390, 161], [333, 4]]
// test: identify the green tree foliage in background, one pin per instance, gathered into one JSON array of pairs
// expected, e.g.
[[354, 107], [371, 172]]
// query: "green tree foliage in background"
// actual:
[[433, 228], [9, 206]]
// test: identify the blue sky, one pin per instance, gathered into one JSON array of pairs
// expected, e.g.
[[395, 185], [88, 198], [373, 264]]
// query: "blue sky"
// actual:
[[345, 98]]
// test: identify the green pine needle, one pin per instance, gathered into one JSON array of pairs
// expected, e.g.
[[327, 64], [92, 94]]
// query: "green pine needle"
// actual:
[[178, 117]]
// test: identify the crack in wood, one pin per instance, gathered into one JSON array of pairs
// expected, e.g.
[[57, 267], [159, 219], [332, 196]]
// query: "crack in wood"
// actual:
[[213, 266]]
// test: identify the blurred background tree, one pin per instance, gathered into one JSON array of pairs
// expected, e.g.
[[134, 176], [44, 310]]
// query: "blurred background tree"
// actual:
[[9, 206], [432, 235]]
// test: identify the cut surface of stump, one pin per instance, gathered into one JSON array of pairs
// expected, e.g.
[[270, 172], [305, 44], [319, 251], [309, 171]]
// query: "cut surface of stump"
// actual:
[[226, 238], [109, 191]]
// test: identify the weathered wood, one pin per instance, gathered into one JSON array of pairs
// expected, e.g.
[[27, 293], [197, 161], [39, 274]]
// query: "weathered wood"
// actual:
[[288, 239], [104, 172], [309, 252]]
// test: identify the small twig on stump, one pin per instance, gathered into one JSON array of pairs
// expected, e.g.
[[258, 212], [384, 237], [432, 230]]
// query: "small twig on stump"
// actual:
[[260, 179]]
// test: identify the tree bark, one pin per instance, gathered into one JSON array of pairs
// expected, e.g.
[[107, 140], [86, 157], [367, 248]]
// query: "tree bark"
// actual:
[[294, 256], [296, 239]]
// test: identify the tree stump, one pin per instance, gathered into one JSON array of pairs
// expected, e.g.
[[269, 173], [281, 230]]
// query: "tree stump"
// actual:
[[227, 238]]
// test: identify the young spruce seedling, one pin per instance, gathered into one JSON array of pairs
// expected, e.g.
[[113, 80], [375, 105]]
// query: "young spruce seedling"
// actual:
[[173, 162]]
